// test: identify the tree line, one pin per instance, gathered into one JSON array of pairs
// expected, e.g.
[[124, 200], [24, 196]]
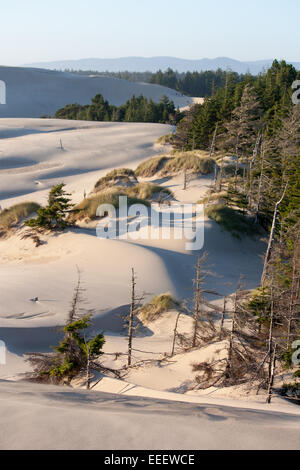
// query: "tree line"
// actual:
[[200, 84], [137, 109]]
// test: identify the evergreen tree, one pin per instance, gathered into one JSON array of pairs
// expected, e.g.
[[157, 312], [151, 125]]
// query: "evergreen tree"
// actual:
[[53, 216]]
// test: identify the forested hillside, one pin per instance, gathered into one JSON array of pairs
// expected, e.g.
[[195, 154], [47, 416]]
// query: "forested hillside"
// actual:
[[256, 125], [198, 84]]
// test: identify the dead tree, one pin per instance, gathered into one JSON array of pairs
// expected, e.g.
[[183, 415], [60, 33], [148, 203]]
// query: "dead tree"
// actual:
[[175, 334], [251, 165], [223, 318], [213, 143], [272, 375], [198, 293], [260, 184], [184, 180], [221, 176], [272, 235], [88, 366], [131, 316]]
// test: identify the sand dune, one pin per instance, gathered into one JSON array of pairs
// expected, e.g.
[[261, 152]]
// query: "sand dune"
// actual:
[[61, 418], [39, 92], [31, 158], [31, 161]]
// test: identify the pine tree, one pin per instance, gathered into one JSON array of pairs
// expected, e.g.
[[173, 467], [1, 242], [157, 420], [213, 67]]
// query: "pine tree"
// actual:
[[53, 216]]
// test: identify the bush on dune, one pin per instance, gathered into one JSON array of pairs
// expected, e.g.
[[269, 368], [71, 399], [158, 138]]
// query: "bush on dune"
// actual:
[[160, 304], [14, 214], [233, 221]]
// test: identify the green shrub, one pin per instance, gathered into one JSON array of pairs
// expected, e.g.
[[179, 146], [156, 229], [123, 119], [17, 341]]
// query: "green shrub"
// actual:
[[291, 390], [53, 216], [233, 221]]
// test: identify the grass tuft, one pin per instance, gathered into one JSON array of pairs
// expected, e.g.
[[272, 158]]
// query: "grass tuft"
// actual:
[[174, 163], [119, 177], [160, 304], [14, 214]]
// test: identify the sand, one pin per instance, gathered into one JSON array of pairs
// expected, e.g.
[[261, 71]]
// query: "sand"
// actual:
[[49, 273], [38, 92]]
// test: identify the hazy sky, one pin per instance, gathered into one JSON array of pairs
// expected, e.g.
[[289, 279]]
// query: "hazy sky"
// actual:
[[43, 30]]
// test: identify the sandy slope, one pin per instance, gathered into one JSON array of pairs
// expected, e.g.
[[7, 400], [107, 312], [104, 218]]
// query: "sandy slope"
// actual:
[[31, 159], [90, 149], [39, 92], [49, 272], [45, 417]]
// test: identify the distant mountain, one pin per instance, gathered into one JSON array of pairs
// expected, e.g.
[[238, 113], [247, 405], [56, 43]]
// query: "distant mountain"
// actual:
[[152, 64], [32, 92]]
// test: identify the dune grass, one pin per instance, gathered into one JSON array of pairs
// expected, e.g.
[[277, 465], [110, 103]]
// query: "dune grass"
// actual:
[[233, 221], [119, 177], [141, 193], [165, 139], [14, 214], [189, 161], [151, 166], [158, 305], [147, 191], [87, 209], [174, 163]]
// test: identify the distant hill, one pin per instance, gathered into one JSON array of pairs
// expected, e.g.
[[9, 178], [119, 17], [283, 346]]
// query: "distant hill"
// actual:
[[152, 64], [32, 92]]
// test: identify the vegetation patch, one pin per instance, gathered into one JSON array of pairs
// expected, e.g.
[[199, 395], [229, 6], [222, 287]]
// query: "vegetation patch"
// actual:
[[149, 191], [160, 304], [174, 163], [87, 209], [194, 162], [165, 139], [233, 221], [14, 214], [291, 390], [151, 167], [120, 177]]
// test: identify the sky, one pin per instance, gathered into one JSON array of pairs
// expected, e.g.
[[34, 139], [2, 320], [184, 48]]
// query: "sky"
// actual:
[[45, 30]]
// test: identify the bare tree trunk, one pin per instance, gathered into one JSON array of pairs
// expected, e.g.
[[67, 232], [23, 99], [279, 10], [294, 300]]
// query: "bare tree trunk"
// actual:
[[260, 185], [272, 236], [197, 299], [184, 180], [131, 315], [213, 144], [221, 174], [252, 163], [175, 334], [88, 369], [292, 299], [230, 350], [223, 318], [272, 375]]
